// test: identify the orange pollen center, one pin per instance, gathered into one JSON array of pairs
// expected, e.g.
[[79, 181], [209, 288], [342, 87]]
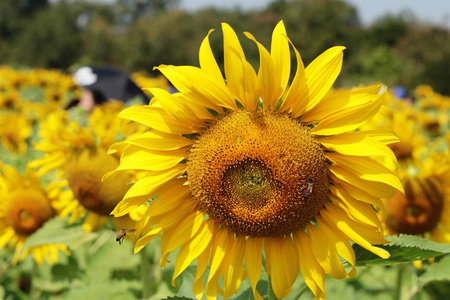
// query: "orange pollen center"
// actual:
[[419, 210], [85, 171], [27, 211], [402, 150], [258, 174]]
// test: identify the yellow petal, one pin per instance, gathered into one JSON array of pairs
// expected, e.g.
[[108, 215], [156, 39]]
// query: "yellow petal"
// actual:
[[6, 236], [377, 189], [341, 99], [154, 140], [281, 54], [175, 108], [171, 195], [325, 252], [361, 195], [312, 272], [207, 60], [349, 118], [362, 235], [297, 97], [283, 271], [193, 249], [91, 222], [358, 144], [234, 269], [220, 246], [148, 184], [144, 240], [367, 169], [359, 211], [342, 245], [253, 262], [136, 158], [240, 75], [181, 233], [321, 74], [202, 263], [156, 118], [197, 84], [269, 86], [36, 252]]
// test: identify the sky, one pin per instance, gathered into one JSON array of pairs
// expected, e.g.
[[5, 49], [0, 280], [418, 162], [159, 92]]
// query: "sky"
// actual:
[[428, 11]]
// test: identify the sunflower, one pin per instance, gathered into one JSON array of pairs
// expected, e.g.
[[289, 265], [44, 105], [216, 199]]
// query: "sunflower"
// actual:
[[403, 119], [81, 153], [248, 165], [15, 129], [424, 208], [25, 207]]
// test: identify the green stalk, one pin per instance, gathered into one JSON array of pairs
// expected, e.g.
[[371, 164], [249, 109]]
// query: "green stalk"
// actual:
[[399, 283], [34, 293], [145, 267], [302, 291]]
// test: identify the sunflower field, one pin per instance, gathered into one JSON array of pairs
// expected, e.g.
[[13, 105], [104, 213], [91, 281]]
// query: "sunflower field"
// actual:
[[255, 173]]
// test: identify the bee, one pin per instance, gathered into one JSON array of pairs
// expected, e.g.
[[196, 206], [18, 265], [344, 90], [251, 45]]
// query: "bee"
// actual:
[[309, 188], [122, 233]]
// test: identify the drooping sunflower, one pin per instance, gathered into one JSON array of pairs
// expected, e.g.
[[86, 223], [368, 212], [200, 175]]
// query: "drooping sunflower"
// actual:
[[249, 164], [424, 209], [80, 151], [24, 208]]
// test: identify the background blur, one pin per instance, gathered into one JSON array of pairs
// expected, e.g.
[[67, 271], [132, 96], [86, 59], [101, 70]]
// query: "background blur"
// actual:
[[396, 49]]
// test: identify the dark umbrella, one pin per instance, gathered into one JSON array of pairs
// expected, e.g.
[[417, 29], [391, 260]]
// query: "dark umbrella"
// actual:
[[108, 83]]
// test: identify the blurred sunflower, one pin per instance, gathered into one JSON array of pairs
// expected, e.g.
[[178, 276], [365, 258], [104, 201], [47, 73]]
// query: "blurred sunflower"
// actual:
[[403, 120], [25, 207], [15, 129], [9, 99], [81, 152], [424, 209], [249, 163]]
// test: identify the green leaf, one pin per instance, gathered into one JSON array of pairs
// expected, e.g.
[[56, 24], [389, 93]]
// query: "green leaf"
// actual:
[[106, 256], [111, 290], [55, 231], [438, 271], [403, 248]]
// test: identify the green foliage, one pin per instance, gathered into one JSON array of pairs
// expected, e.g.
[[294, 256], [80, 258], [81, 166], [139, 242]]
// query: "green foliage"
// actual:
[[395, 50], [56, 232], [404, 248], [49, 39]]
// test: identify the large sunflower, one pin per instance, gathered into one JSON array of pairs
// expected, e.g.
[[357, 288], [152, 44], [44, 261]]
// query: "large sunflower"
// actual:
[[24, 207], [248, 165]]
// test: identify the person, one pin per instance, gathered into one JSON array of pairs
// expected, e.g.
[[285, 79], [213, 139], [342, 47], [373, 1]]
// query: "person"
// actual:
[[102, 84]]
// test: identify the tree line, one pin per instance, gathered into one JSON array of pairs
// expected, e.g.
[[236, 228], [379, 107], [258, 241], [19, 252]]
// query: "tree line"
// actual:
[[138, 35]]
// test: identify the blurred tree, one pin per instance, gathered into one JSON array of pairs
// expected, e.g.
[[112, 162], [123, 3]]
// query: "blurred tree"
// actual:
[[428, 47], [388, 29], [142, 8], [48, 39], [314, 26]]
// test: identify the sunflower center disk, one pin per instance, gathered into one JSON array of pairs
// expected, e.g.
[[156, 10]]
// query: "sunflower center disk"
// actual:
[[27, 211], [84, 172], [258, 174]]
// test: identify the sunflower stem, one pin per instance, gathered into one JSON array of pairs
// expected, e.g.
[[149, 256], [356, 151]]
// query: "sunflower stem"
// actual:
[[145, 268], [34, 293], [302, 291], [271, 295], [399, 283]]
